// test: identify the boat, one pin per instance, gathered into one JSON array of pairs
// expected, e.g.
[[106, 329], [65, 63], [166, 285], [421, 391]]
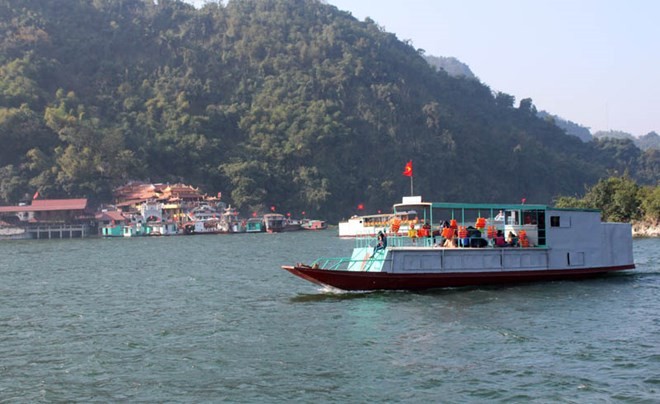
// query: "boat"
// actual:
[[313, 224], [232, 223], [9, 232], [545, 244], [292, 224], [277, 223], [255, 225], [204, 219], [370, 225], [274, 222], [204, 226], [163, 228]]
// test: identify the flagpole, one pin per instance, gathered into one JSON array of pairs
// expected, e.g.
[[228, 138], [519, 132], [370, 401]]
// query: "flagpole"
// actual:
[[408, 172]]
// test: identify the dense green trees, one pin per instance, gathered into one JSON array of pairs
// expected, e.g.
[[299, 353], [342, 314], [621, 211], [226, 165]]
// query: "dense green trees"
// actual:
[[285, 102], [620, 199]]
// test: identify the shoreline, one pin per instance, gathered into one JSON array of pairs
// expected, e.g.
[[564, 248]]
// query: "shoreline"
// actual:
[[644, 229]]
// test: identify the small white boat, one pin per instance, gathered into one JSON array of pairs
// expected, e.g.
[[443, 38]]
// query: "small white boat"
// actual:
[[370, 225], [313, 224]]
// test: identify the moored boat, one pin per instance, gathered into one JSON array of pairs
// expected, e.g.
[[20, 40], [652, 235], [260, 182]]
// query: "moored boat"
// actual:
[[545, 243], [274, 222], [277, 223], [255, 225], [206, 226], [8, 232], [313, 224]]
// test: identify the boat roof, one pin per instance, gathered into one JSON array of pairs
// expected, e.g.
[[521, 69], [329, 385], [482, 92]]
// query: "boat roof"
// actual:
[[412, 202], [456, 205], [386, 214]]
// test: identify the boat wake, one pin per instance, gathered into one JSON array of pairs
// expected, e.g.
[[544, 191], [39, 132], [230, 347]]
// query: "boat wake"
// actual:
[[330, 293]]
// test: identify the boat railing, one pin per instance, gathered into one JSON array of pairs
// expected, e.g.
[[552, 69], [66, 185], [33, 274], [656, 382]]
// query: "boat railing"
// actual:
[[347, 263], [367, 261], [394, 241], [397, 240], [335, 263]]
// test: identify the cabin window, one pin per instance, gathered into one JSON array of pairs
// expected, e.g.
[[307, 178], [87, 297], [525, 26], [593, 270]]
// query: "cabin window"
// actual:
[[554, 221], [512, 217]]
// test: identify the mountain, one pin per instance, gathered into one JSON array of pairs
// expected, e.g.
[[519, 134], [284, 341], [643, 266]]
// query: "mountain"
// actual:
[[292, 103], [649, 141], [613, 134], [571, 128], [451, 65]]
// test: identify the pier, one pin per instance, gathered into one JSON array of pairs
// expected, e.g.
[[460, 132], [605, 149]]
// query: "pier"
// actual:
[[58, 231]]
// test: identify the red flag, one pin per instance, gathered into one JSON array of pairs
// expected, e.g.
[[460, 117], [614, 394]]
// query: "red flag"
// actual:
[[272, 208], [360, 206], [407, 170], [254, 214], [36, 195]]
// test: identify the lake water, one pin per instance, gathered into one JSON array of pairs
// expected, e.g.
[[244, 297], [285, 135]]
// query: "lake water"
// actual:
[[215, 319]]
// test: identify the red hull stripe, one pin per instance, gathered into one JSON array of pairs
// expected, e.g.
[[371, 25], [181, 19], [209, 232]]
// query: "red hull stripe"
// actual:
[[351, 280]]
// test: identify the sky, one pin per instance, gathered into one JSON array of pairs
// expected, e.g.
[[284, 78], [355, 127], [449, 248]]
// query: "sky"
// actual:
[[593, 62]]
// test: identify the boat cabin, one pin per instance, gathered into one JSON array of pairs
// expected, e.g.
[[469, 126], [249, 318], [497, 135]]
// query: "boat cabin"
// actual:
[[510, 219]]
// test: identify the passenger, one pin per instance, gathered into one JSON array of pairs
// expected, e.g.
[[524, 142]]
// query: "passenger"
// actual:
[[412, 233], [499, 239], [512, 240], [499, 217], [427, 228], [382, 243], [434, 234]]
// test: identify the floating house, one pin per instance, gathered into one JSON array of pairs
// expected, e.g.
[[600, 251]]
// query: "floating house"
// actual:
[[50, 218]]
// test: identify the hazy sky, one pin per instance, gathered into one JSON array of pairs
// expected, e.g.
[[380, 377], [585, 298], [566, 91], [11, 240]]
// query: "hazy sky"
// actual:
[[594, 62]]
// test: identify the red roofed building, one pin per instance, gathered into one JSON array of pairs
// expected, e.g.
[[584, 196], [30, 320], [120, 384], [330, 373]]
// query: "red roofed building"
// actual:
[[50, 218], [136, 193], [48, 210], [182, 192]]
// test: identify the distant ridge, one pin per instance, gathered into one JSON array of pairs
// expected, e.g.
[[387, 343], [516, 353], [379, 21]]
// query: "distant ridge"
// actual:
[[451, 65], [649, 141], [570, 127]]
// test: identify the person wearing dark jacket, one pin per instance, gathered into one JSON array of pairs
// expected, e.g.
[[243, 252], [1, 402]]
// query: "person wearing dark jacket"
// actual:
[[382, 243]]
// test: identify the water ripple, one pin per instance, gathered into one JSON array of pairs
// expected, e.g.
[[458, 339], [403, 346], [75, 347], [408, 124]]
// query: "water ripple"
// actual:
[[214, 319]]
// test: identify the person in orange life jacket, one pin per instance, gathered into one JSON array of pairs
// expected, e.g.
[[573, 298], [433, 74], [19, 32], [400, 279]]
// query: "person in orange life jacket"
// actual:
[[427, 229]]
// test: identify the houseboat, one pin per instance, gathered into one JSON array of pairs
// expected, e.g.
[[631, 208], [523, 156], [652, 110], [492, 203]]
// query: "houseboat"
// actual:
[[277, 223], [255, 225], [313, 224], [460, 249], [47, 219]]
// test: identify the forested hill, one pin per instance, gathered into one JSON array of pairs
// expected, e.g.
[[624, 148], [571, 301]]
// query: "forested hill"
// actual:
[[286, 102]]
